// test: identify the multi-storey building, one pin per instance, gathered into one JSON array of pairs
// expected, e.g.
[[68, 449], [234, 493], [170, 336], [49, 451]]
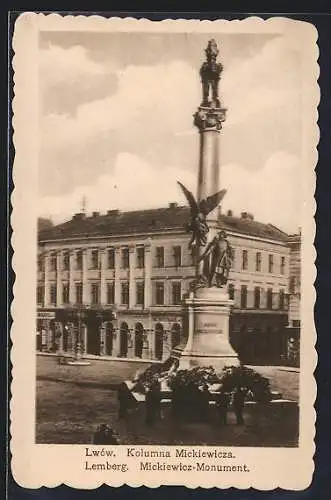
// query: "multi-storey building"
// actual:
[[294, 298], [122, 276]]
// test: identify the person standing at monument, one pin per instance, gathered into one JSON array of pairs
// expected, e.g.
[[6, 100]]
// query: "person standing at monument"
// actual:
[[238, 404], [153, 402], [222, 403]]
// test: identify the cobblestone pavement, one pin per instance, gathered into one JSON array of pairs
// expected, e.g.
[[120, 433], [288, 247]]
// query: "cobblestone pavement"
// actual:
[[108, 373], [68, 413]]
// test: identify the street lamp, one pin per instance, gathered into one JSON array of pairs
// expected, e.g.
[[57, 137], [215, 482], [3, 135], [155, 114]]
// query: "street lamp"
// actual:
[[78, 347]]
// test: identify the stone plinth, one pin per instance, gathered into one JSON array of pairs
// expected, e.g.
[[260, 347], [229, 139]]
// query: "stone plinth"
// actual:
[[206, 336]]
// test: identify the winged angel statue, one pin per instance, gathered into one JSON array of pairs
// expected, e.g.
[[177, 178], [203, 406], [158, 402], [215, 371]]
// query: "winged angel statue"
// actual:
[[199, 211], [218, 254]]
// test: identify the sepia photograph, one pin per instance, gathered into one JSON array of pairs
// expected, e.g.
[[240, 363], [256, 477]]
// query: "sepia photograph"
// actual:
[[170, 213]]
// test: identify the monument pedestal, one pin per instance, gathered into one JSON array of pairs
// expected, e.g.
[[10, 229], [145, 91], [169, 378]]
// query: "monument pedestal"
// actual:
[[206, 331]]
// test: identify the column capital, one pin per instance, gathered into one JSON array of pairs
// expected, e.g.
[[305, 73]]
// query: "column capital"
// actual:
[[207, 118]]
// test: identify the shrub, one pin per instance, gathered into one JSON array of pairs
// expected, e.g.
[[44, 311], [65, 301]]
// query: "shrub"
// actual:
[[240, 376]]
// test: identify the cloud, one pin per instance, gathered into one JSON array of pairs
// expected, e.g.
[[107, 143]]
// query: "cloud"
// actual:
[[69, 77], [67, 65], [135, 184], [146, 111], [263, 82], [272, 194]]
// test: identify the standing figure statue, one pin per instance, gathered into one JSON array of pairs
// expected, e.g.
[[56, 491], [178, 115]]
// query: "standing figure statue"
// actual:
[[217, 260], [199, 211], [210, 73]]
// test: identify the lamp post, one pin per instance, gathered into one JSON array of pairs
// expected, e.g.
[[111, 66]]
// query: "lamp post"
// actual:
[[78, 347]]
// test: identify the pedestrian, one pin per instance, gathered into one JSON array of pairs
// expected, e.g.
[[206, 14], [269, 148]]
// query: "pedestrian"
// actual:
[[238, 404], [157, 398], [204, 397], [122, 397], [222, 403], [104, 435], [153, 402]]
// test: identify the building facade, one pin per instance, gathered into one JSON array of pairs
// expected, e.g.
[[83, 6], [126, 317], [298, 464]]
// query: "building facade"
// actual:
[[120, 278]]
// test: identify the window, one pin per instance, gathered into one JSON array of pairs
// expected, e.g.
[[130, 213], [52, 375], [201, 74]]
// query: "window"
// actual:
[[125, 258], [296, 323], [282, 265], [233, 258], [271, 264], [140, 293], [243, 297], [94, 293], [111, 258], [125, 293], [53, 262], [245, 260], [231, 291], [281, 299], [177, 255], [257, 297], [65, 293], [79, 293], [176, 292], [110, 292], [293, 284], [159, 257], [79, 260], [140, 257], [52, 294], [66, 261], [94, 259], [40, 263], [159, 293], [40, 294], [258, 261], [269, 298]]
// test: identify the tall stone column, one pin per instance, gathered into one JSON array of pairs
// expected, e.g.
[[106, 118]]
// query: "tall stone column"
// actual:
[[207, 308], [132, 288]]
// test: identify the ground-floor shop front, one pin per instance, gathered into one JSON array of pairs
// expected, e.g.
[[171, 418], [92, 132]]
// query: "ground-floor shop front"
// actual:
[[260, 338], [142, 336], [257, 338]]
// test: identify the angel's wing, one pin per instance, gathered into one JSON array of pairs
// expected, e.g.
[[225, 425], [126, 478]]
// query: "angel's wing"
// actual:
[[211, 202], [190, 198]]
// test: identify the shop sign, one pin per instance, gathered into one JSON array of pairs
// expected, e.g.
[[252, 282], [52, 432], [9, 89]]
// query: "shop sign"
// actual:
[[46, 315]]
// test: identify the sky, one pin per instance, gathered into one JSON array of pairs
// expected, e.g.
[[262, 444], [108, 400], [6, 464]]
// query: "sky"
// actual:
[[116, 122]]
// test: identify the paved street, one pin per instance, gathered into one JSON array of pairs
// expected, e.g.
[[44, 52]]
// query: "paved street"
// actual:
[[69, 412]]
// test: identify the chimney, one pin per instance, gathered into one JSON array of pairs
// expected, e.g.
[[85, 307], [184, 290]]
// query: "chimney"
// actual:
[[78, 216], [229, 213], [173, 205], [247, 215]]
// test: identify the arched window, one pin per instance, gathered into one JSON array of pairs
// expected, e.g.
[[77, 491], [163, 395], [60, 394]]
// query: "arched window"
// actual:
[[138, 340], [159, 340], [175, 335], [124, 329], [231, 291], [109, 338]]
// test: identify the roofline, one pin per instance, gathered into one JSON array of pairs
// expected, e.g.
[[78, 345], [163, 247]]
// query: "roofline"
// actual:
[[172, 230]]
